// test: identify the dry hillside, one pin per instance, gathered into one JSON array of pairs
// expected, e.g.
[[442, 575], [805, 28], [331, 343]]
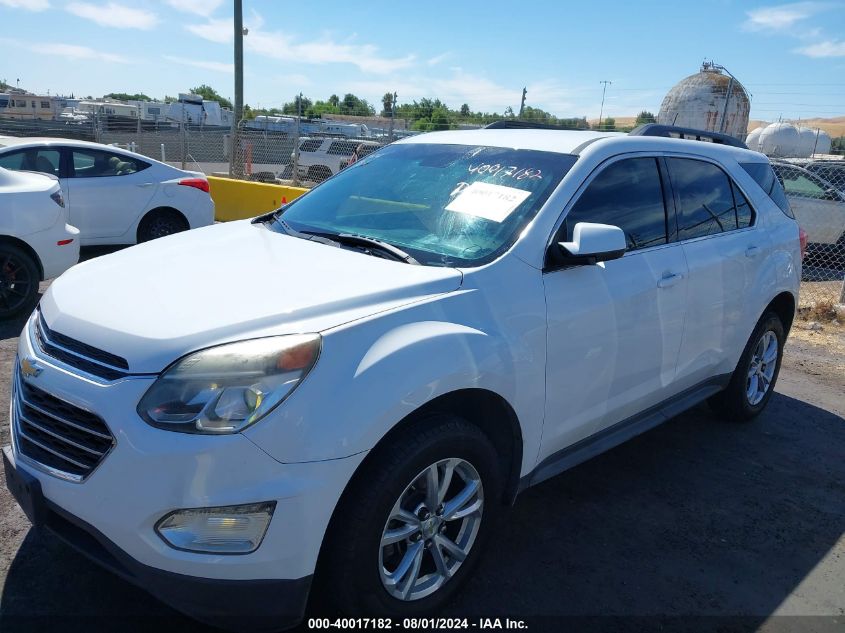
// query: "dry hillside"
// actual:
[[834, 126]]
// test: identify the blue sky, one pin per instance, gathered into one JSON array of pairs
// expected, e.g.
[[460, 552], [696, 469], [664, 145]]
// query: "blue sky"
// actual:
[[790, 56]]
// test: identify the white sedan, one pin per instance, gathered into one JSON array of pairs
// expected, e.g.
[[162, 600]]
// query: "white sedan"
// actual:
[[115, 196], [36, 242]]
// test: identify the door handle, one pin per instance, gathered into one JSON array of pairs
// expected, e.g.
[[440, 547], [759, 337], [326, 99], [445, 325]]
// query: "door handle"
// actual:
[[669, 279], [145, 184], [752, 251]]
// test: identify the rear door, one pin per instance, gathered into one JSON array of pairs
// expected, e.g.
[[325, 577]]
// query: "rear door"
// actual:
[[614, 329], [724, 250], [107, 192]]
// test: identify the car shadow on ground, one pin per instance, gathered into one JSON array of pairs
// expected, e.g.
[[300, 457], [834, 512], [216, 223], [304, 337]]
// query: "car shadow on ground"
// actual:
[[698, 521]]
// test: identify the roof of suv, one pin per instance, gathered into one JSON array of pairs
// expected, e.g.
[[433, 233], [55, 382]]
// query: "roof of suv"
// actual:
[[575, 141]]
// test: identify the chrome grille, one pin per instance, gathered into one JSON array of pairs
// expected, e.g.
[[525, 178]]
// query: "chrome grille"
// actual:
[[68, 441], [79, 355]]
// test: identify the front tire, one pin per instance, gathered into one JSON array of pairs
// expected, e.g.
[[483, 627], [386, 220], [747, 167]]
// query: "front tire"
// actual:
[[412, 524], [754, 378]]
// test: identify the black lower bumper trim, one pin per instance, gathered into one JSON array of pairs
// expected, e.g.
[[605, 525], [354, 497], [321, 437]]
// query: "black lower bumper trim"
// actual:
[[237, 605]]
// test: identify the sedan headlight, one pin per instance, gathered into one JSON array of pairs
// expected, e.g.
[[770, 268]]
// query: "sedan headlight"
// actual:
[[225, 389]]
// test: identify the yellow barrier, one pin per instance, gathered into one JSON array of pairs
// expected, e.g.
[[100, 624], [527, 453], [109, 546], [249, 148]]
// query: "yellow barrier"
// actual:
[[241, 199]]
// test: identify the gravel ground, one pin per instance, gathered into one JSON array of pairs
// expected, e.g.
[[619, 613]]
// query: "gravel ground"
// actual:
[[698, 524]]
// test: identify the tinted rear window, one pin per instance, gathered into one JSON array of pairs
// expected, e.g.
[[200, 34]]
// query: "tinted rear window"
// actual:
[[764, 175]]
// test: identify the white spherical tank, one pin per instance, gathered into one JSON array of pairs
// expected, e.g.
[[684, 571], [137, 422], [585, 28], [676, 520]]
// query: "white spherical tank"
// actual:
[[780, 140], [709, 100], [821, 142], [753, 138], [806, 142]]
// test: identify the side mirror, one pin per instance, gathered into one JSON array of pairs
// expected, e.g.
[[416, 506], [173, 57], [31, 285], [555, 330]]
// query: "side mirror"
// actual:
[[592, 243]]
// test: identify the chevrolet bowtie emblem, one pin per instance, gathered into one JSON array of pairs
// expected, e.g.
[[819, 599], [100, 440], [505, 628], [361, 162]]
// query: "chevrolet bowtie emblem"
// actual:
[[30, 368]]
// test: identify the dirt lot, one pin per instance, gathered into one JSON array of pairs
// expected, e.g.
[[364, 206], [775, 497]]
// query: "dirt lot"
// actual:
[[696, 525]]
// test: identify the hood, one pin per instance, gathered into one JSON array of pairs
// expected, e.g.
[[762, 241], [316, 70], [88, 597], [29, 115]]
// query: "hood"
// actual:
[[157, 301]]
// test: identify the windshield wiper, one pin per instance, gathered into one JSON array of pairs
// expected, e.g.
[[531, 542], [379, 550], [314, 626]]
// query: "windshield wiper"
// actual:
[[368, 243]]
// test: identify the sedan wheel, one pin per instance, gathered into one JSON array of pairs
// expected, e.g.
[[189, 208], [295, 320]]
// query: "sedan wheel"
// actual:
[[431, 529], [18, 282]]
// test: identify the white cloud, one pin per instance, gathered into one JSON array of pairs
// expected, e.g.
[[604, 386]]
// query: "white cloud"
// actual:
[[198, 7], [219, 67], [781, 17], [66, 51], [220, 30], [829, 48], [282, 47], [29, 5], [114, 15], [433, 61]]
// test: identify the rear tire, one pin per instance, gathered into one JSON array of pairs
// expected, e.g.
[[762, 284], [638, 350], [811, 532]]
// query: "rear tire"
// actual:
[[19, 279], [754, 378], [361, 566], [160, 223]]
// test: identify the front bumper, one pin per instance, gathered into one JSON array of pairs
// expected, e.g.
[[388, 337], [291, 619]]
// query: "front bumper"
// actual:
[[240, 605], [150, 472]]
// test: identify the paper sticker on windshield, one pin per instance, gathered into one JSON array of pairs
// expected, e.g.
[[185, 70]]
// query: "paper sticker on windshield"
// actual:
[[491, 202]]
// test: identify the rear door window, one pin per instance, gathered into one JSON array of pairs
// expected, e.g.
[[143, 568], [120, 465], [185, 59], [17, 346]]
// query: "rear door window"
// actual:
[[764, 175], [92, 163], [705, 200]]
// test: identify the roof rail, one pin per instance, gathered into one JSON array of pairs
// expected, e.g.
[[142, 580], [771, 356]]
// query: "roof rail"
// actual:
[[513, 124], [688, 133]]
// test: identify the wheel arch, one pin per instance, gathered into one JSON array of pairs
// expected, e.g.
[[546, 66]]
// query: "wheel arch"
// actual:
[[149, 214], [487, 410], [784, 306], [16, 241]]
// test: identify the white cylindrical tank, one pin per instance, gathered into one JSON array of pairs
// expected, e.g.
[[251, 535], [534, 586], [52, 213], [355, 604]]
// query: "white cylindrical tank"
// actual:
[[753, 138], [709, 100], [780, 140]]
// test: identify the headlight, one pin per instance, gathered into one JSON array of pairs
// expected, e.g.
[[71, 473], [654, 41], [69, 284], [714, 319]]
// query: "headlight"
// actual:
[[225, 389]]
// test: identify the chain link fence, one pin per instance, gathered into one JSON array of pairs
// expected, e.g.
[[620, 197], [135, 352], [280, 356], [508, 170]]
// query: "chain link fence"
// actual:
[[288, 150], [815, 188]]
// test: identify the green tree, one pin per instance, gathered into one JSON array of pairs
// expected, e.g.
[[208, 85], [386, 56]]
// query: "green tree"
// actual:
[[465, 111], [292, 107], [440, 119], [210, 94], [387, 104], [608, 125], [123, 96], [509, 113], [645, 117]]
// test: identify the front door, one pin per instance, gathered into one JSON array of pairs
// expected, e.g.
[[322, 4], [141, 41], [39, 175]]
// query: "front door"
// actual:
[[107, 192], [614, 328]]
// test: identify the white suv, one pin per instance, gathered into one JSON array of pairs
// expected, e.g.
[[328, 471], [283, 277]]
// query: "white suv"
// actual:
[[383, 364], [321, 158]]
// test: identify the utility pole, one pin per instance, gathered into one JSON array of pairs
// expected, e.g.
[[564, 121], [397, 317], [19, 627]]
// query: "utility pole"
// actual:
[[603, 92], [392, 116], [235, 167], [295, 173], [522, 105]]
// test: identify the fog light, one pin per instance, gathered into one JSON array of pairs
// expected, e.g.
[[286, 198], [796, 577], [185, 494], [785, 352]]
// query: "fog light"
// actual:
[[224, 530]]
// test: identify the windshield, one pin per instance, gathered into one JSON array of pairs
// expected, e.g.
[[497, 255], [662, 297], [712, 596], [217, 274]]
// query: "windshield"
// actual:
[[446, 205]]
